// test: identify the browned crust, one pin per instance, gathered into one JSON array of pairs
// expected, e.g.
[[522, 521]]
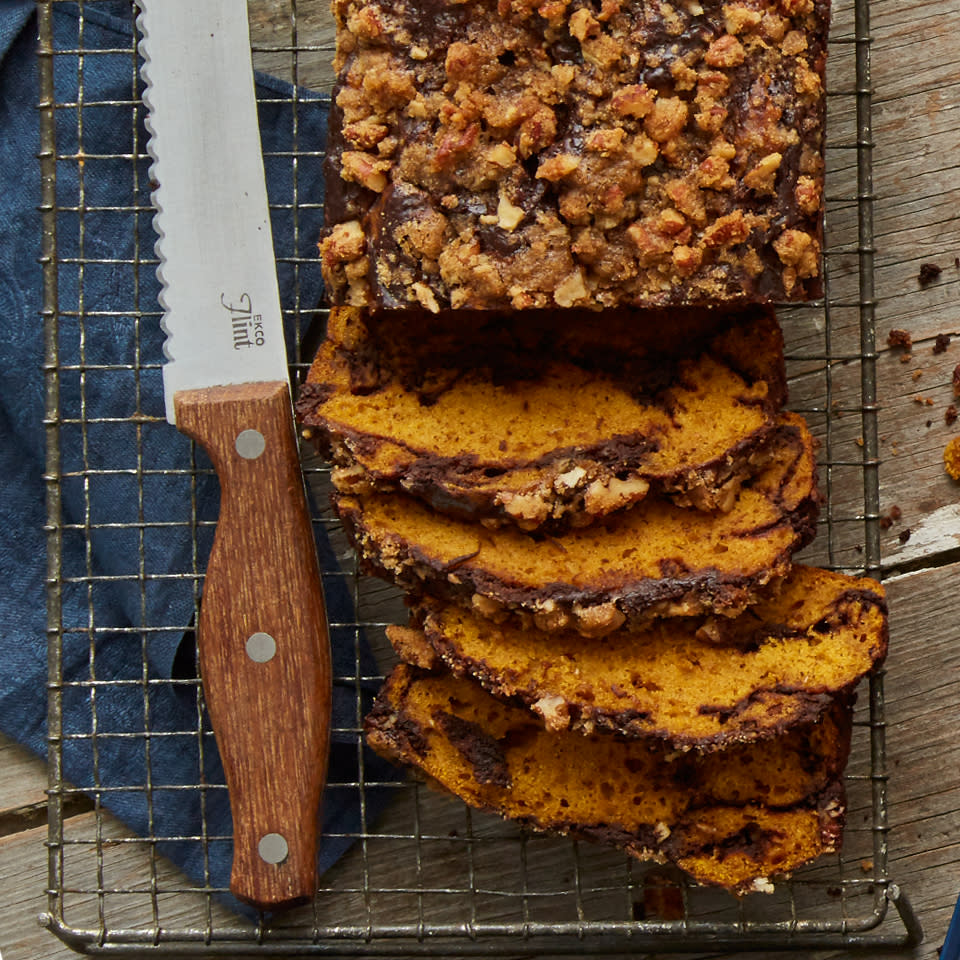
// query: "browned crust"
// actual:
[[760, 841], [597, 607], [610, 473], [767, 711], [419, 112], [829, 808]]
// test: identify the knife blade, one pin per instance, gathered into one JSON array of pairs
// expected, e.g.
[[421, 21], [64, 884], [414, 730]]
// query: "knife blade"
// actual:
[[262, 634]]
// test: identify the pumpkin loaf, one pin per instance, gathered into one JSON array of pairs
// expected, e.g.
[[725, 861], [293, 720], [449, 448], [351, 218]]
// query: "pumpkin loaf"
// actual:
[[692, 683], [734, 818], [556, 421], [655, 559], [520, 155]]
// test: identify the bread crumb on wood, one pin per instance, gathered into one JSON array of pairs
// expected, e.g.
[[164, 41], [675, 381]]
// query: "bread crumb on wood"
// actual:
[[888, 519], [951, 458], [900, 338]]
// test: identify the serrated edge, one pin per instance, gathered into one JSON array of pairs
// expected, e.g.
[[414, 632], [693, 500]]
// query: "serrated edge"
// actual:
[[153, 171]]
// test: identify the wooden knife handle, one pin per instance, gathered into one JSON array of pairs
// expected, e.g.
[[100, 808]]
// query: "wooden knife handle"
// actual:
[[262, 639]]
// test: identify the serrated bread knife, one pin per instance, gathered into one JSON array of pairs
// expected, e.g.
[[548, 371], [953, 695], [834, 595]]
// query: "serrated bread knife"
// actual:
[[262, 634]]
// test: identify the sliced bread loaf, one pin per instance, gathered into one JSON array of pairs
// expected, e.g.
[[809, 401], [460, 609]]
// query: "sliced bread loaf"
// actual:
[[559, 419], [690, 682], [655, 559], [732, 818]]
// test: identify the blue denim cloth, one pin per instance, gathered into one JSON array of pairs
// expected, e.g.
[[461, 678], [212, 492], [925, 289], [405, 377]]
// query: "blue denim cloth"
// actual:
[[137, 629]]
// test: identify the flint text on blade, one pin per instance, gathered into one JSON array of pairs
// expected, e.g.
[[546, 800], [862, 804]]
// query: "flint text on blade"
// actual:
[[247, 325]]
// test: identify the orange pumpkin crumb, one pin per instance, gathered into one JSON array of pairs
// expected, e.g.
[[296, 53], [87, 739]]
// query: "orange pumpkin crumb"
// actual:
[[951, 458]]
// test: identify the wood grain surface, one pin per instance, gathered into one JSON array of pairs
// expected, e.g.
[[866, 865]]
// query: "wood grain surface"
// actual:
[[916, 81]]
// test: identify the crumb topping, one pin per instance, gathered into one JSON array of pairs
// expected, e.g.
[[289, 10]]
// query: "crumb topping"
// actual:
[[532, 153]]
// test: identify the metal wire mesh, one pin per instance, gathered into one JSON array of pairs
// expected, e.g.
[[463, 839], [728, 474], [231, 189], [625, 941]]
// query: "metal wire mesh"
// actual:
[[429, 876]]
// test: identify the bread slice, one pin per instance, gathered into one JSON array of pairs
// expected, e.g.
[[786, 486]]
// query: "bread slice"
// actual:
[[561, 418], [655, 559], [733, 818], [689, 682]]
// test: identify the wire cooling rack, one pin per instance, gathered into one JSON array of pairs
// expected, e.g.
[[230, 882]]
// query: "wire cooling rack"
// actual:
[[428, 876]]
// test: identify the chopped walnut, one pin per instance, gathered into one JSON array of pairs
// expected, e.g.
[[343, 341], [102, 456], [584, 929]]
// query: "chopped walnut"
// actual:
[[604, 497], [537, 131], [584, 25], [602, 51], [808, 194], [666, 120], [572, 290], [509, 215], [714, 173], [762, 178], [794, 43], [712, 85], [558, 167], [728, 230], [598, 619], [687, 259], [738, 17], [365, 23], [773, 26], [670, 222], [711, 119], [345, 242], [463, 61], [453, 144], [725, 51], [794, 8], [650, 243], [688, 199], [554, 710], [605, 141], [365, 134], [723, 149], [642, 151], [502, 155], [364, 169], [425, 297], [569, 479], [635, 100], [798, 249], [550, 617]]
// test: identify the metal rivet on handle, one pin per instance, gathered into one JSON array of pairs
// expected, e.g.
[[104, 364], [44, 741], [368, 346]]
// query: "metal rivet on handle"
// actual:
[[273, 848], [261, 647], [250, 444]]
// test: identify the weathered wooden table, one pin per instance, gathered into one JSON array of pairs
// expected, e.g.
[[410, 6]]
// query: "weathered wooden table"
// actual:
[[916, 123]]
